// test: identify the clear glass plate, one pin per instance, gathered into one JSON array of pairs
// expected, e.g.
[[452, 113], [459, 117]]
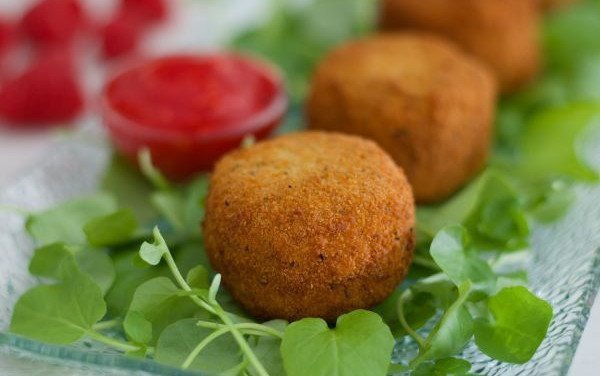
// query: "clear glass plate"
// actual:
[[564, 269]]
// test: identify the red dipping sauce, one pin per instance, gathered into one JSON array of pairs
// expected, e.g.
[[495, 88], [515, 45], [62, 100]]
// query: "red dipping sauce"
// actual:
[[190, 110]]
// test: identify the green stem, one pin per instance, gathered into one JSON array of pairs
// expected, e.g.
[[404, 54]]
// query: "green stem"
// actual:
[[406, 295], [262, 329], [183, 284], [119, 345], [205, 342], [150, 172], [103, 325], [260, 369], [464, 290], [219, 312]]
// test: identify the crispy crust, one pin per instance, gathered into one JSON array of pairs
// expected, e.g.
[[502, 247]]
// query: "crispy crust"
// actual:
[[312, 224], [420, 98], [502, 33]]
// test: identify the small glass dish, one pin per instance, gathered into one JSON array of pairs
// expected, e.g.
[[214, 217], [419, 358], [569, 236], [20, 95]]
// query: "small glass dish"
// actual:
[[183, 151]]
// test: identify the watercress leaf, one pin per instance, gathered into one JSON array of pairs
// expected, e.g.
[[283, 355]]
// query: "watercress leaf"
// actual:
[[432, 219], [60, 313], [520, 322], [452, 335], [195, 195], [498, 222], [443, 367], [59, 261], [569, 37], [360, 344], [152, 253], [178, 340], [128, 277], [98, 265], [453, 331], [424, 369], [160, 302], [490, 210], [54, 261], [64, 223], [130, 188], [551, 201], [110, 230], [137, 328], [398, 368], [198, 278], [450, 251], [452, 366], [548, 145], [443, 291], [183, 208]]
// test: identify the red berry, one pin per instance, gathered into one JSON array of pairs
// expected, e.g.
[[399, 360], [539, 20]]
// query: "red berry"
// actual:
[[47, 92], [121, 35], [150, 10], [7, 36], [54, 21]]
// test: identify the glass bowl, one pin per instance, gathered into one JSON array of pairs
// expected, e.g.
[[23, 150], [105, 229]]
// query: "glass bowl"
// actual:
[[564, 269]]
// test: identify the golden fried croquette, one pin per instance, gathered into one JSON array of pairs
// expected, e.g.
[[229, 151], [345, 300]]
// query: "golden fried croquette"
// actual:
[[311, 224], [555, 4], [502, 33], [423, 100]]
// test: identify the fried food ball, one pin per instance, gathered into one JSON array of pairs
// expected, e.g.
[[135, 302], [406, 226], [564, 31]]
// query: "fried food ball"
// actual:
[[311, 224], [423, 100], [555, 4], [502, 33]]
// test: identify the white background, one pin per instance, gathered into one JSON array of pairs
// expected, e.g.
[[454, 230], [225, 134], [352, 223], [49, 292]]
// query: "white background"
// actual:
[[197, 27]]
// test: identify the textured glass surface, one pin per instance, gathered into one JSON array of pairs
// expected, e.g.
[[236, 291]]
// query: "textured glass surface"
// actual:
[[564, 269]]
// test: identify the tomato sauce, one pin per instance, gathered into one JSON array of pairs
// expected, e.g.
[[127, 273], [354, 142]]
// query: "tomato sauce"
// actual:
[[189, 110]]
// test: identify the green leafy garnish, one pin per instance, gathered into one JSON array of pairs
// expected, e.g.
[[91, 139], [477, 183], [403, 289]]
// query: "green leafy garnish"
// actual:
[[180, 339], [517, 325], [61, 262], [450, 250], [360, 344], [159, 302], [61, 313], [110, 230], [64, 223]]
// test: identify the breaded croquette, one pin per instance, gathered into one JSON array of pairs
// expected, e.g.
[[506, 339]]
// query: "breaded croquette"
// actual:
[[424, 101], [502, 33], [310, 224]]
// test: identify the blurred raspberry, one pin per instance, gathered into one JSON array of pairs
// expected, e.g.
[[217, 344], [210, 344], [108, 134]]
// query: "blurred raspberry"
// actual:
[[122, 34], [149, 10], [7, 36], [54, 21], [48, 92]]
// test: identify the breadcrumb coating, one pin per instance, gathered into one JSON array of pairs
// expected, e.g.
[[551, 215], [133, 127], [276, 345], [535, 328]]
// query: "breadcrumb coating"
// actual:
[[430, 106], [502, 33], [310, 224]]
